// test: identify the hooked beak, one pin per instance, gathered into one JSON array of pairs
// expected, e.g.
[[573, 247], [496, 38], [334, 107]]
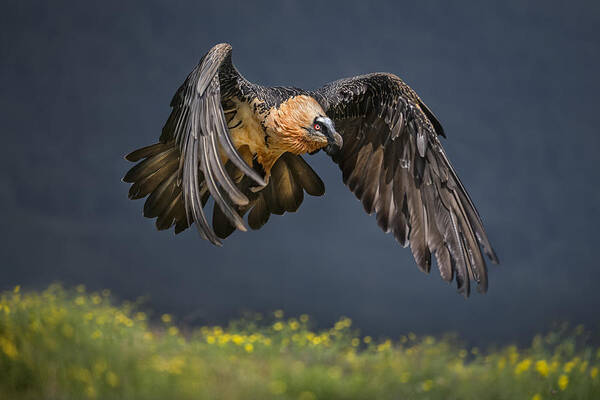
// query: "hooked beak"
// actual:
[[334, 143], [334, 139]]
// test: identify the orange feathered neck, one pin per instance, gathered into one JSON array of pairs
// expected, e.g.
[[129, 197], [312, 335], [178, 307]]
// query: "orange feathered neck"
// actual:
[[286, 129]]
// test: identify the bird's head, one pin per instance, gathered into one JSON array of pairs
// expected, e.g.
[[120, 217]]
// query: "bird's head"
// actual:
[[299, 125], [323, 131]]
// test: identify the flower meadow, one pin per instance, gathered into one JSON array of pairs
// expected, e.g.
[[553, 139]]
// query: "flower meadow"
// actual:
[[71, 344]]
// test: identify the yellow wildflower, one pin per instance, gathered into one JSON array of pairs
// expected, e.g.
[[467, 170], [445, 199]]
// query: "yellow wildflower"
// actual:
[[569, 366], [351, 356], [501, 363], [304, 318], [278, 326], [237, 339], [123, 319], [278, 314], [112, 379], [384, 346], [8, 347], [80, 288], [140, 316], [173, 331], [224, 339], [594, 372], [17, 289], [542, 367], [367, 339], [563, 382], [166, 318], [427, 385], [100, 366], [523, 366], [249, 347], [90, 390], [340, 325], [355, 342], [294, 324], [537, 396], [173, 366]]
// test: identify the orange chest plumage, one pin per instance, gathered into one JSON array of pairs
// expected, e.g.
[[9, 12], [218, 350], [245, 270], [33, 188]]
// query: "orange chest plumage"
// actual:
[[267, 135]]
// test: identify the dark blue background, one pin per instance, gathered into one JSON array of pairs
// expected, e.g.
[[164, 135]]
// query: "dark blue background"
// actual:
[[515, 84]]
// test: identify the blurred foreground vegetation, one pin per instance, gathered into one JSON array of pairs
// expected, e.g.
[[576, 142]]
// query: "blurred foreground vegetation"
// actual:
[[62, 344]]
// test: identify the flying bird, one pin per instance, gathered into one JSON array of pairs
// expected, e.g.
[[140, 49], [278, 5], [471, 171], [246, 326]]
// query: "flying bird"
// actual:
[[242, 144]]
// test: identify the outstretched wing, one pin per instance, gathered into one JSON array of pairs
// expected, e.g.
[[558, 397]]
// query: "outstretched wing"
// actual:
[[213, 118], [392, 160], [199, 127]]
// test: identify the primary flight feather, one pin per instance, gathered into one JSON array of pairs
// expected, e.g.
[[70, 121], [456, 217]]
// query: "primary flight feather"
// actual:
[[241, 144]]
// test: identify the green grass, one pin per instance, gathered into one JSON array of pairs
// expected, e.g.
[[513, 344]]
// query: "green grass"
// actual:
[[62, 344]]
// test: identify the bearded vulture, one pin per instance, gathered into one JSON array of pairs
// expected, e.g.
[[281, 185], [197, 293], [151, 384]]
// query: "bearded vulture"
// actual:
[[242, 144]]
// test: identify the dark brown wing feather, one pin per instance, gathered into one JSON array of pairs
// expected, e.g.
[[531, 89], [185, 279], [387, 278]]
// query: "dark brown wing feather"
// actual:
[[185, 168], [393, 161], [290, 177], [180, 173]]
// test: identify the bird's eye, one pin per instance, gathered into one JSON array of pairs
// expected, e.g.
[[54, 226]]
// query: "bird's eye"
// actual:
[[317, 127]]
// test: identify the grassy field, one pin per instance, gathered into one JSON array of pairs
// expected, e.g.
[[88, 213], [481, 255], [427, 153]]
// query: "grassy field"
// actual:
[[62, 344]]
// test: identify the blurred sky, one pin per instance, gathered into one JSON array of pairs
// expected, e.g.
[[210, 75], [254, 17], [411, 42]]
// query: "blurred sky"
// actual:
[[515, 84]]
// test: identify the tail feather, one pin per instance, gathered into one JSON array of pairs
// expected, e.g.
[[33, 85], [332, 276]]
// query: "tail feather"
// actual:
[[144, 186], [166, 219], [159, 199], [304, 175], [290, 177], [157, 176], [147, 151], [260, 213], [151, 164]]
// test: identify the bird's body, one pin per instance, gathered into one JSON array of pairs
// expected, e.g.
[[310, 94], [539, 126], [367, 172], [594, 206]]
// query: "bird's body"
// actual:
[[268, 134], [241, 144]]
